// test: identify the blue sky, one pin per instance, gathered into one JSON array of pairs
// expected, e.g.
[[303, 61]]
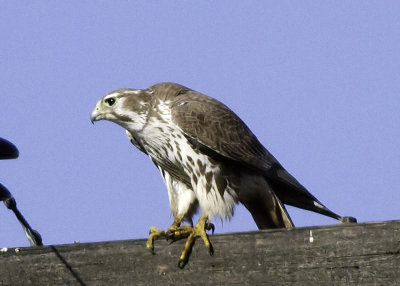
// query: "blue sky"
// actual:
[[317, 82]]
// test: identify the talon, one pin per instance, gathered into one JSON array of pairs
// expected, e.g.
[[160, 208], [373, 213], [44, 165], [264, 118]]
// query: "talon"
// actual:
[[210, 226], [211, 250], [151, 248], [182, 263], [150, 243]]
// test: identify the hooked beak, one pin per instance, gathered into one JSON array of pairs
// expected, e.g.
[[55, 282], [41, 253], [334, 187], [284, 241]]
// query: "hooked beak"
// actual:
[[96, 114]]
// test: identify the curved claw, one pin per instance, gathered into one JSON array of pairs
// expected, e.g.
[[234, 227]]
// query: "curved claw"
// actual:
[[211, 249], [182, 263], [210, 226], [150, 245]]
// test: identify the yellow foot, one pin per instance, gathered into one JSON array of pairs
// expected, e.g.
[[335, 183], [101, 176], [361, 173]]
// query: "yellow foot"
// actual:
[[174, 233], [199, 230]]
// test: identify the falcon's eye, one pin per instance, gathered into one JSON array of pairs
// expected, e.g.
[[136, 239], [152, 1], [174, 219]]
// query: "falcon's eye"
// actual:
[[110, 101]]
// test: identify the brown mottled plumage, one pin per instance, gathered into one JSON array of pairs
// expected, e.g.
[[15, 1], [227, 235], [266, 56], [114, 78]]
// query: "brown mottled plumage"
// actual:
[[208, 157]]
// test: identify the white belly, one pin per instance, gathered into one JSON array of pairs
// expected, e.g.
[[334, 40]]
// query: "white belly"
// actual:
[[168, 143]]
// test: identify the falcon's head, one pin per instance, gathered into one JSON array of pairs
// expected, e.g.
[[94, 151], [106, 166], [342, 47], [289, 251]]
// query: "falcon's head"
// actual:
[[126, 107]]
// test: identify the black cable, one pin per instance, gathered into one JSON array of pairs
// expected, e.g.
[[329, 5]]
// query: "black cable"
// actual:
[[73, 273]]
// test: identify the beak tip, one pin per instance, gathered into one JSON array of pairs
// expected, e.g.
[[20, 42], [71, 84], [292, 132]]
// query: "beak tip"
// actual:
[[94, 116]]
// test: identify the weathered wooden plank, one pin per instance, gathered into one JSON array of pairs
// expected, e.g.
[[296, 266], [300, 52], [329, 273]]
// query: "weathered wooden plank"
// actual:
[[347, 254]]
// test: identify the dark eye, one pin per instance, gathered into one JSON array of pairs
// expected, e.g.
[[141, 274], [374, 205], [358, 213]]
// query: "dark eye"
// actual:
[[110, 101]]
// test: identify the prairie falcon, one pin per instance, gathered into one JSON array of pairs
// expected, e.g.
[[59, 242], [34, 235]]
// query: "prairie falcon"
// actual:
[[208, 158]]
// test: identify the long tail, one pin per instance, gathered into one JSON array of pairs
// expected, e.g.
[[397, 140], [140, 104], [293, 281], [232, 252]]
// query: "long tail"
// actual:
[[291, 192]]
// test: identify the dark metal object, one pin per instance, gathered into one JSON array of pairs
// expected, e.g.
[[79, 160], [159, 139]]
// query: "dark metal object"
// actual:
[[4, 193], [33, 236], [8, 150]]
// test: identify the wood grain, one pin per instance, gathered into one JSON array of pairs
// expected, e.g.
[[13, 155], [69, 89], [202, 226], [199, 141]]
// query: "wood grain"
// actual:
[[345, 254]]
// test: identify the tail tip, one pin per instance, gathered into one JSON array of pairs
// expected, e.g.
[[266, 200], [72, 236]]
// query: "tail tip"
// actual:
[[348, 219]]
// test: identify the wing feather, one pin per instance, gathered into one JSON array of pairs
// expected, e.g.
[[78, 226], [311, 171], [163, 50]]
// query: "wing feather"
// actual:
[[208, 122]]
